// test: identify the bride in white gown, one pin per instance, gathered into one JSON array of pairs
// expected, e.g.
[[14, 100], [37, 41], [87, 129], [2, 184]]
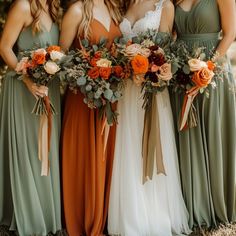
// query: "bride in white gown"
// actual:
[[155, 208]]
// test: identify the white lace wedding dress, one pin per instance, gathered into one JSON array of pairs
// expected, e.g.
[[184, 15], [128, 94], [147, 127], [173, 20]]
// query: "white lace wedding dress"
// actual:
[[155, 208]]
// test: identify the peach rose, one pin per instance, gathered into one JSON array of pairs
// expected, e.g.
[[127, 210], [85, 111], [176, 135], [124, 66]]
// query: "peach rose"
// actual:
[[165, 73], [133, 50], [196, 64], [154, 68], [51, 67], [104, 63], [22, 65], [203, 77]]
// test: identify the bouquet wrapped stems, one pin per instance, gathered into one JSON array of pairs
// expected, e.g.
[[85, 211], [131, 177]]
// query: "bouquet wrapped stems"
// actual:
[[188, 114], [109, 117], [42, 66]]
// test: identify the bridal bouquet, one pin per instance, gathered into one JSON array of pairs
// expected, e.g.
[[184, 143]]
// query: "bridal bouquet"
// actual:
[[152, 66], [151, 62], [195, 75], [99, 73], [42, 66]]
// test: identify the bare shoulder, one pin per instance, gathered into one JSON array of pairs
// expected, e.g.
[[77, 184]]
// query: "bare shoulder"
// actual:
[[21, 7], [20, 13], [75, 11], [168, 6]]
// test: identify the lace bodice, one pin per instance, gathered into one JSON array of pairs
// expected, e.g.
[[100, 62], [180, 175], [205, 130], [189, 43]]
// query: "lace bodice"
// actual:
[[151, 20]]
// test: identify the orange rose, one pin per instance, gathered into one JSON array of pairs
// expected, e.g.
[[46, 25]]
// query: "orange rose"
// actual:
[[98, 55], [211, 65], [140, 64], [53, 48], [38, 58], [93, 73], [118, 70], [105, 72], [93, 61], [203, 77]]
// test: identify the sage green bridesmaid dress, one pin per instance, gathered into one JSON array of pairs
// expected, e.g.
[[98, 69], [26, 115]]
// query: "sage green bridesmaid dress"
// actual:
[[207, 152], [29, 203]]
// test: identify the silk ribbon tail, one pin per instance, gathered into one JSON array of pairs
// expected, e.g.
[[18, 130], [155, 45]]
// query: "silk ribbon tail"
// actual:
[[188, 101], [43, 145]]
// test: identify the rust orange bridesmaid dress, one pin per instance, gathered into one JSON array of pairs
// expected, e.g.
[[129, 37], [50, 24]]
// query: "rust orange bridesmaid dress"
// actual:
[[86, 169]]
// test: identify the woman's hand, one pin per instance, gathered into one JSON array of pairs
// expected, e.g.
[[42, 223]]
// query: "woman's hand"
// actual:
[[37, 91]]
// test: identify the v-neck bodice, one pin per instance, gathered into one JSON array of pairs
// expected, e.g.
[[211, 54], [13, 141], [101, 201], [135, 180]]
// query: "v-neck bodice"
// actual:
[[98, 30], [204, 17], [28, 40]]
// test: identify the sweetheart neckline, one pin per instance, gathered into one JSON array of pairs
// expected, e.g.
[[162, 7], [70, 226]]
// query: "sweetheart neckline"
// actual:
[[142, 18]]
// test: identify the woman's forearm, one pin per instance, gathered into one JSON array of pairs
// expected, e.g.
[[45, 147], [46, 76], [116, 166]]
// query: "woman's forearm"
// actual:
[[225, 44], [9, 57]]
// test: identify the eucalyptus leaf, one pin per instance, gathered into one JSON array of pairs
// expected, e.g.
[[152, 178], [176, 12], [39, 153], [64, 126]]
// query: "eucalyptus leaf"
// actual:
[[85, 42], [186, 69], [95, 47], [102, 41], [81, 81], [174, 68], [88, 88], [108, 94], [98, 103]]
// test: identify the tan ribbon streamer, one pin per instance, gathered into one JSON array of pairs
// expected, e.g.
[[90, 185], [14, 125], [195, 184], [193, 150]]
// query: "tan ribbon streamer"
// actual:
[[188, 110], [44, 137], [151, 145]]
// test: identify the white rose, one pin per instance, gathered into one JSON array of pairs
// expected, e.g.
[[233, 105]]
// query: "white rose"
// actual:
[[196, 64], [56, 56], [51, 67], [103, 63]]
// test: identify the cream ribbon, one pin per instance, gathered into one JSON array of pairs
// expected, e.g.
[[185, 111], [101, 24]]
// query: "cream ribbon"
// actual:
[[44, 137], [43, 145]]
